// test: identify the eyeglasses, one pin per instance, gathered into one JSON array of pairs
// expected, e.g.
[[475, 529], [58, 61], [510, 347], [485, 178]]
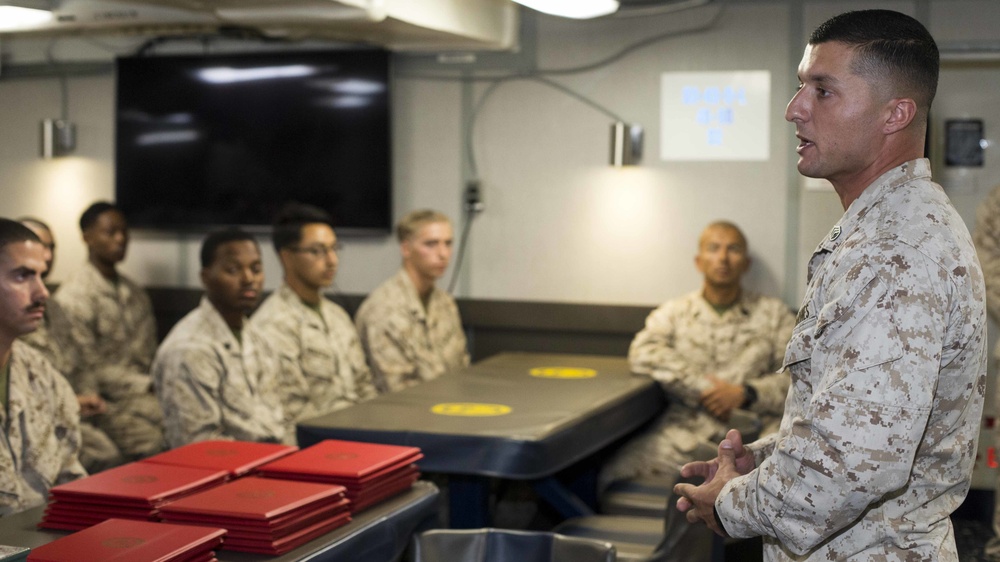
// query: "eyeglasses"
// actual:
[[318, 251]]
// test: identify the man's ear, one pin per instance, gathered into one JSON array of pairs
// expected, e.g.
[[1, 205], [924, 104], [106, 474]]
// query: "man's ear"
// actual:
[[902, 111], [697, 263], [284, 255]]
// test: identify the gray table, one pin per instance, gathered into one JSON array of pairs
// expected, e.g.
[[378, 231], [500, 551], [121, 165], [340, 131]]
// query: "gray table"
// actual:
[[379, 533], [537, 424]]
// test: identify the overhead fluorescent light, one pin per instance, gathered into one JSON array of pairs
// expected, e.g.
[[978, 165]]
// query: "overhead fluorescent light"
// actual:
[[23, 14], [576, 9]]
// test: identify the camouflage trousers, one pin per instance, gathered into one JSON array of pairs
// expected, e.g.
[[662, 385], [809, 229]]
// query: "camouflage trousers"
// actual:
[[97, 451], [135, 424]]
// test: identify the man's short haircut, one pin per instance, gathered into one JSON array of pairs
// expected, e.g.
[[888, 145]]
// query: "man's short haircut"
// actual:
[[727, 225], [90, 216], [415, 220], [210, 246], [888, 44], [36, 222], [12, 232], [287, 228]]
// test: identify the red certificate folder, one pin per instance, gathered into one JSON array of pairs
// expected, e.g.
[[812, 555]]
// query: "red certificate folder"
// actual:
[[265, 515], [138, 484], [121, 540], [255, 499], [235, 457], [343, 459], [370, 472]]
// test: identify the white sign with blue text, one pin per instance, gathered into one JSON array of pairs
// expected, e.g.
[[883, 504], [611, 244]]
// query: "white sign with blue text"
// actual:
[[715, 115]]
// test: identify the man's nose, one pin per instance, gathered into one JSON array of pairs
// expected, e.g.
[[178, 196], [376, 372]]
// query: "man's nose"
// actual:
[[41, 292], [795, 110]]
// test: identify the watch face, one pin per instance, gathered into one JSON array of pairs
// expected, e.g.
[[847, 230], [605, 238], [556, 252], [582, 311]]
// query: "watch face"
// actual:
[[963, 142]]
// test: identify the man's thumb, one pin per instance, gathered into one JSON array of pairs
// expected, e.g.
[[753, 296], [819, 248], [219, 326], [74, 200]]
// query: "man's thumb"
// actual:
[[726, 454]]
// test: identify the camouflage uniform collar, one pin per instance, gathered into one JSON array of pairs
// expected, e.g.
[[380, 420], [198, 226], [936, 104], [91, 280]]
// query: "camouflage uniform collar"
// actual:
[[218, 325], [870, 197], [292, 299], [741, 305], [287, 294], [120, 290], [412, 298]]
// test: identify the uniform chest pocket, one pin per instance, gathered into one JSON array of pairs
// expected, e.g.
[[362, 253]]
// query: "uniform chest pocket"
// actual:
[[800, 345]]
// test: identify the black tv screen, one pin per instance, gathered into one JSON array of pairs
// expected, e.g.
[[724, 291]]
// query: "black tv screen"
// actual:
[[204, 141]]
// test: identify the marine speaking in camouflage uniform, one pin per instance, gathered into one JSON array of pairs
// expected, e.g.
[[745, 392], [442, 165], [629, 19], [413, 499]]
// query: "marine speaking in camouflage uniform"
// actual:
[[410, 329], [888, 356], [713, 351], [322, 364], [112, 335], [97, 451], [39, 413], [987, 240], [216, 377]]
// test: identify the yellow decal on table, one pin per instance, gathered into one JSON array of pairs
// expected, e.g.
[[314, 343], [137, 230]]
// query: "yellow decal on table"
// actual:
[[563, 373], [471, 409]]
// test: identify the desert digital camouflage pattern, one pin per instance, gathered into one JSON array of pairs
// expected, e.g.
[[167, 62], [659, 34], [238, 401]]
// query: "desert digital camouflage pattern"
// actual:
[[987, 239], [43, 438], [685, 340], [97, 450], [888, 367], [112, 334], [323, 367], [406, 344], [214, 386]]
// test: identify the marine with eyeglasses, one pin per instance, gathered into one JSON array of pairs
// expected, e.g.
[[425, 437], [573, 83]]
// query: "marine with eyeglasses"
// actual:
[[323, 366]]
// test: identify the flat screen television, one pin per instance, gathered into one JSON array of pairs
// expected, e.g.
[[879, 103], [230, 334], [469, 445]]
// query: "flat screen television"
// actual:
[[207, 141]]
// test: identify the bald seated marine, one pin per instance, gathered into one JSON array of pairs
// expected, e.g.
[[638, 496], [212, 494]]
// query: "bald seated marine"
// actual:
[[112, 334], [712, 351], [323, 367], [39, 412], [216, 376], [410, 329], [97, 452]]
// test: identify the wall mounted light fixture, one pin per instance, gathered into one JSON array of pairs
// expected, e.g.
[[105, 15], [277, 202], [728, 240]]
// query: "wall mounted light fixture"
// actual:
[[626, 144], [58, 138]]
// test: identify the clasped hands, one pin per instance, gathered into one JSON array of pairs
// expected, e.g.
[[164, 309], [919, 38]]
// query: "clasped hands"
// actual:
[[698, 502], [722, 398]]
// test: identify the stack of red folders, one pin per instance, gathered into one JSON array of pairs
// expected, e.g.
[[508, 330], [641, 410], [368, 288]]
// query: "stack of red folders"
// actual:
[[133, 491], [264, 515], [122, 540], [236, 457], [370, 472]]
